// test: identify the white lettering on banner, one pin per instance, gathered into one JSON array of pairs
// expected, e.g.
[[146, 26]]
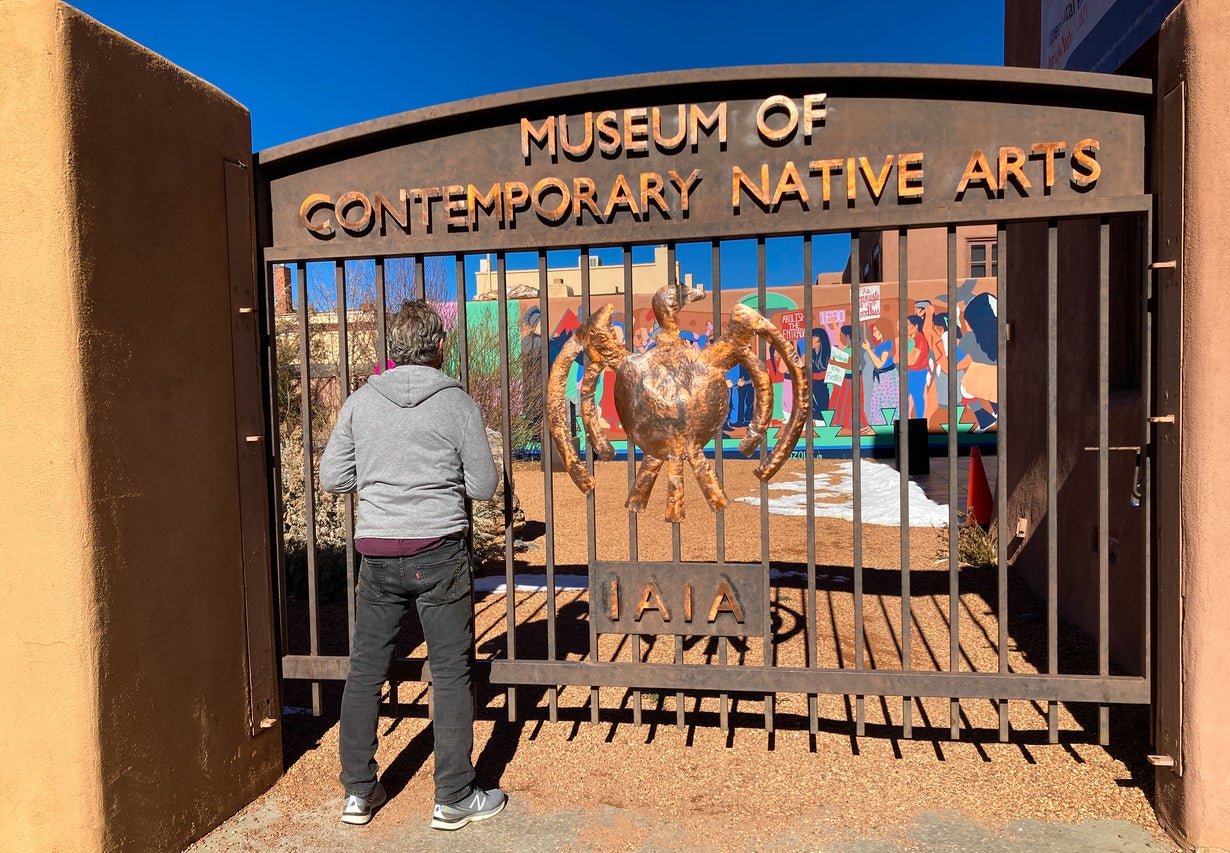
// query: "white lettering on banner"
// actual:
[[791, 325]]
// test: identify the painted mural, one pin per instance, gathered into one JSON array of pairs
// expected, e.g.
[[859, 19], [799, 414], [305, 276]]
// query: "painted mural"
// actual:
[[939, 344]]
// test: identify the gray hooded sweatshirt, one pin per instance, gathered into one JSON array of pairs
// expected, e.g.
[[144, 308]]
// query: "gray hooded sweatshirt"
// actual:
[[413, 445]]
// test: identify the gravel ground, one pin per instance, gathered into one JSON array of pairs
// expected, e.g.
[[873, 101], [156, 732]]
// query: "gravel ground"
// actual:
[[576, 785]]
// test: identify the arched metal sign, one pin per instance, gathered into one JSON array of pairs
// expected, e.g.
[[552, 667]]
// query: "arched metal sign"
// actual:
[[688, 156]]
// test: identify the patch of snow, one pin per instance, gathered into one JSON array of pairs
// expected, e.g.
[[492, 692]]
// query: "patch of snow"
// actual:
[[834, 496], [531, 583]]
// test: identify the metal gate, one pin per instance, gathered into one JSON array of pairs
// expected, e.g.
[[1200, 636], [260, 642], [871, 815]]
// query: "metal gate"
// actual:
[[1025, 189]]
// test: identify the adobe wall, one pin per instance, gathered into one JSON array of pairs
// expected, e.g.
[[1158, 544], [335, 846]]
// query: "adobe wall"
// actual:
[[48, 619], [1192, 50], [126, 633]]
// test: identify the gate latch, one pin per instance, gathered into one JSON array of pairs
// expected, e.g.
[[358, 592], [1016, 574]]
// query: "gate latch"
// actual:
[[1138, 487]]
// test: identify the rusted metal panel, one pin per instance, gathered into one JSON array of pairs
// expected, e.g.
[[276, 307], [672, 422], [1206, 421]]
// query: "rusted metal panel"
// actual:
[[684, 599], [1168, 728], [1118, 689], [252, 451]]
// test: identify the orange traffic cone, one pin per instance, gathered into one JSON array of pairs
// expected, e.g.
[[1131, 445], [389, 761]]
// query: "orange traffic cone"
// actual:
[[978, 490]]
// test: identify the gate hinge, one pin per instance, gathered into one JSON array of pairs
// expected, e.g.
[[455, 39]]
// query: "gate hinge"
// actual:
[[1161, 760], [1163, 265], [1162, 419]]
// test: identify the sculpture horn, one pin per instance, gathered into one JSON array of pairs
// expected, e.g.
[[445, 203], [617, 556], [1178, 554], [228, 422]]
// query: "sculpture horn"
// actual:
[[801, 410], [557, 413]]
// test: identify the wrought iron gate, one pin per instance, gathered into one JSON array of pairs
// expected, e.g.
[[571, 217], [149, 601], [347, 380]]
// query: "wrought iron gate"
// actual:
[[1043, 171]]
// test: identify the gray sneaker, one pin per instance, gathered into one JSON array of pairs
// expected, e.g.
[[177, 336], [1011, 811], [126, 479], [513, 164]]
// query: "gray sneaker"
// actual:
[[479, 805], [359, 809]]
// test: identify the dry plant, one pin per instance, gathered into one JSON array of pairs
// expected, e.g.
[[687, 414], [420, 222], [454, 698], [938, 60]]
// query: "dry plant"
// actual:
[[976, 547]]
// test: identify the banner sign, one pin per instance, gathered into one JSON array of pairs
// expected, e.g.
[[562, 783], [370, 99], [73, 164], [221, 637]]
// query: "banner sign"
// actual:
[[869, 302], [1098, 35], [792, 325]]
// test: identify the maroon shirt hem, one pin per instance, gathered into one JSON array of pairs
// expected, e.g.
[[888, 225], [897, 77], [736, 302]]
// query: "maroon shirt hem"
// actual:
[[373, 547]]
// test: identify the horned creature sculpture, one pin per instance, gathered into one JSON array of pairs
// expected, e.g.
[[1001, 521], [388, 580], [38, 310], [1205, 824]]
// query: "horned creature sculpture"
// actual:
[[672, 399]]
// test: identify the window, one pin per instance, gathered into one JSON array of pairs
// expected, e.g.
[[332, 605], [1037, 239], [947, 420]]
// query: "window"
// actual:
[[983, 258]]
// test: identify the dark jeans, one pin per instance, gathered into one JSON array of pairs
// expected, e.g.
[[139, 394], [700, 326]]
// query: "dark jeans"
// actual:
[[438, 582]]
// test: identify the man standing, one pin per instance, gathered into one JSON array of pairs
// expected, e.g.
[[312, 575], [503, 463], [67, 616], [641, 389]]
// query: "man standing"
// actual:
[[413, 445]]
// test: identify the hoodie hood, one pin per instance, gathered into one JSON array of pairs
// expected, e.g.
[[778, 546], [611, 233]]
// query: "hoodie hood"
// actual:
[[410, 384]]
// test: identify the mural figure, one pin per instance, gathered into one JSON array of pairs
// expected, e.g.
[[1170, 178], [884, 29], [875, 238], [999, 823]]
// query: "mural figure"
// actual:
[[918, 363], [673, 399], [604, 393], [980, 342], [779, 375], [841, 373], [821, 349], [883, 394]]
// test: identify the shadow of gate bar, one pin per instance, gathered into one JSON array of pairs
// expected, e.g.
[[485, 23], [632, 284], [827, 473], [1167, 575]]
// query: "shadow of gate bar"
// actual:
[[889, 157]]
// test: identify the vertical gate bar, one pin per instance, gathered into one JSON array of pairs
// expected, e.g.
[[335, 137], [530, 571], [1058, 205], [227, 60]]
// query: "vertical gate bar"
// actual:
[[309, 477], [548, 469], [856, 465], [510, 568], [591, 542], [954, 582], [1052, 476], [675, 532], [279, 509], [1001, 463], [420, 293], [463, 328], [1146, 492], [463, 376], [809, 467], [633, 545], [719, 444], [343, 383], [761, 306], [1103, 470], [677, 556], [719, 455], [383, 329], [382, 349], [903, 457], [510, 580], [382, 323]]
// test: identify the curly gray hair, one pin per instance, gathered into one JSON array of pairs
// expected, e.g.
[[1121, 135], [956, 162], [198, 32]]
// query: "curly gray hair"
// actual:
[[415, 334]]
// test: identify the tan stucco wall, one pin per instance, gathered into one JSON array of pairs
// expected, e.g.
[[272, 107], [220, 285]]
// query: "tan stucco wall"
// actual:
[[48, 625], [1193, 49], [125, 715]]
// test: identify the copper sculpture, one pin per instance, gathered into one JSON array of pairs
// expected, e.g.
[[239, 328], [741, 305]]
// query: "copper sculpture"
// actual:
[[672, 399]]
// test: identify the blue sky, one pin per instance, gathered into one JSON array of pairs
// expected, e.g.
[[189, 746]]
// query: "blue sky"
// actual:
[[306, 67]]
